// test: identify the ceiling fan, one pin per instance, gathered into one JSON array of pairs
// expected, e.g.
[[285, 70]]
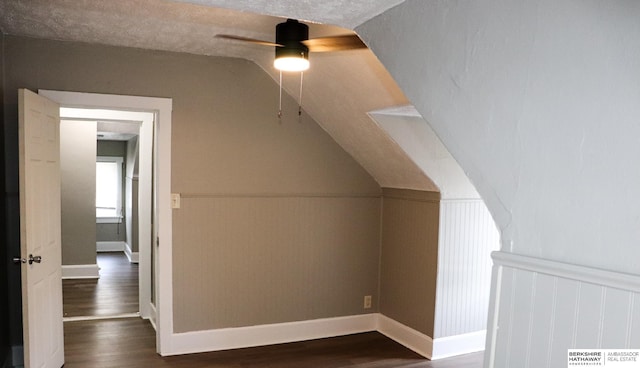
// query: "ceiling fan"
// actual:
[[293, 45]]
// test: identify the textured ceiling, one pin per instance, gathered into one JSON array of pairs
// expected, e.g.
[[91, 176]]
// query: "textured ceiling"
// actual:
[[339, 89], [344, 13]]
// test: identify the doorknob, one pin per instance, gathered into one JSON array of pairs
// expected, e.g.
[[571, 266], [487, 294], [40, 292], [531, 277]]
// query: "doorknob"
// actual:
[[31, 259], [36, 259]]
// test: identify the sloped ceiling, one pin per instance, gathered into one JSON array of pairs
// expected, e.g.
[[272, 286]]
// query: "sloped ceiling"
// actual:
[[339, 89]]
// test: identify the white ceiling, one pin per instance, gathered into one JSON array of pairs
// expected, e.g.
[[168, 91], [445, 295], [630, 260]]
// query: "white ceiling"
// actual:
[[118, 130], [339, 89], [344, 13]]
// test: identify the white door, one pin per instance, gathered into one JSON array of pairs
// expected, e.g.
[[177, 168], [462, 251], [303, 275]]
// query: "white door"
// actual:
[[39, 139]]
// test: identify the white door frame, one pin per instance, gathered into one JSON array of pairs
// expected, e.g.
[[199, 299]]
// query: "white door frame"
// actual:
[[145, 144], [162, 228]]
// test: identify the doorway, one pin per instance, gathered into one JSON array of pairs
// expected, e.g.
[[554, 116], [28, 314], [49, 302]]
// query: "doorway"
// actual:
[[155, 140], [99, 178], [84, 119]]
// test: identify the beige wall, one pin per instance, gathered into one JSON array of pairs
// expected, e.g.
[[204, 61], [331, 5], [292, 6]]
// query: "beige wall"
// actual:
[[409, 257], [78, 191], [273, 259], [112, 148], [313, 211]]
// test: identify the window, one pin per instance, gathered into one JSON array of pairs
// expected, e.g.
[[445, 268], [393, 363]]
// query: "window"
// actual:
[[108, 189]]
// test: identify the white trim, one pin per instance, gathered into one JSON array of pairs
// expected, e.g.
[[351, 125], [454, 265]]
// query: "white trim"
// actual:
[[110, 246], [134, 257], [617, 280], [163, 228], [581, 274], [99, 318], [494, 313], [89, 271], [243, 337], [461, 200], [161, 109], [402, 110], [445, 347], [152, 316], [278, 333], [404, 335], [109, 220]]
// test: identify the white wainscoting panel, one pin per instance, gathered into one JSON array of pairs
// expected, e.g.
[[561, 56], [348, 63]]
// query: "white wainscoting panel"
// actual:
[[542, 308], [467, 236]]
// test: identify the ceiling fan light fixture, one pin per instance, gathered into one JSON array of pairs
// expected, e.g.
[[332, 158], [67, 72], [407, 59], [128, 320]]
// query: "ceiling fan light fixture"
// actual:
[[292, 49], [291, 63], [293, 55]]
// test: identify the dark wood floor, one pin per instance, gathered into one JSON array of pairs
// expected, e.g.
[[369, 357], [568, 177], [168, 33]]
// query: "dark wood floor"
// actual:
[[128, 343], [115, 293]]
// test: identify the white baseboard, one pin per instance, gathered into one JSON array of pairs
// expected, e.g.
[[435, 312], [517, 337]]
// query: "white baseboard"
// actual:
[[90, 271], [243, 337], [110, 246], [407, 336], [134, 257], [100, 318], [153, 314], [445, 347]]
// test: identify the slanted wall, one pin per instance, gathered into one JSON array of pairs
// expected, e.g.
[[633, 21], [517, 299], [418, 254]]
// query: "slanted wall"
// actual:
[[538, 102]]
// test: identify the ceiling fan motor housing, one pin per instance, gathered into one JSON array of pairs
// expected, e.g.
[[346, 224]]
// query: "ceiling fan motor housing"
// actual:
[[290, 34]]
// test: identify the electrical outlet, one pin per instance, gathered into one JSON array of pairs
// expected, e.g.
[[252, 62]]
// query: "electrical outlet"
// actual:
[[367, 301], [175, 200]]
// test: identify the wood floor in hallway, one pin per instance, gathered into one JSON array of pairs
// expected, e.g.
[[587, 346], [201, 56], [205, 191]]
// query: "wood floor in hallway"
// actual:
[[129, 343], [114, 293]]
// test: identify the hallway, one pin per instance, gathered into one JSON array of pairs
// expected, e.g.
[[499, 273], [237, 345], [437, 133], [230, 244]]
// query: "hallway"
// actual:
[[114, 293]]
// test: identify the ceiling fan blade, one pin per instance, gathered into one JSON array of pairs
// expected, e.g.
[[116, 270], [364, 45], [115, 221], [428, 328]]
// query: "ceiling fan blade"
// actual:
[[335, 43], [246, 39]]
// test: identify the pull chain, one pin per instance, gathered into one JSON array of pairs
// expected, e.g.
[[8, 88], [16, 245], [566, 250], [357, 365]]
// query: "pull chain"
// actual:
[[280, 102], [300, 99]]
